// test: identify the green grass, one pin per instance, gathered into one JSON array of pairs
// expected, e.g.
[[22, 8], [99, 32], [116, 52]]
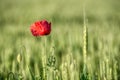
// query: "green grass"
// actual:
[[59, 56]]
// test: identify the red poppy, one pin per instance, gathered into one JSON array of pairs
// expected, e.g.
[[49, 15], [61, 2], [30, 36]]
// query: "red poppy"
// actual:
[[40, 28]]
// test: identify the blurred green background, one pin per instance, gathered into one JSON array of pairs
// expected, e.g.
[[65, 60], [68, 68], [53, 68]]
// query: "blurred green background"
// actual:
[[66, 17], [59, 11]]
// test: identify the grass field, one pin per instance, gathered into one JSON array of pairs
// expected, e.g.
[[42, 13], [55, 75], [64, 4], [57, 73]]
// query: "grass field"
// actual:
[[62, 55]]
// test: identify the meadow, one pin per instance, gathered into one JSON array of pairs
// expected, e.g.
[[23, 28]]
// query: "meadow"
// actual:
[[78, 48]]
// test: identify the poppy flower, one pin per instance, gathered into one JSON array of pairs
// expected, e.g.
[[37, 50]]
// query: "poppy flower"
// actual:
[[40, 28]]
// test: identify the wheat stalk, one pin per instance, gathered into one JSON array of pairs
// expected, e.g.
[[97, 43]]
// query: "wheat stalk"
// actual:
[[85, 37]]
